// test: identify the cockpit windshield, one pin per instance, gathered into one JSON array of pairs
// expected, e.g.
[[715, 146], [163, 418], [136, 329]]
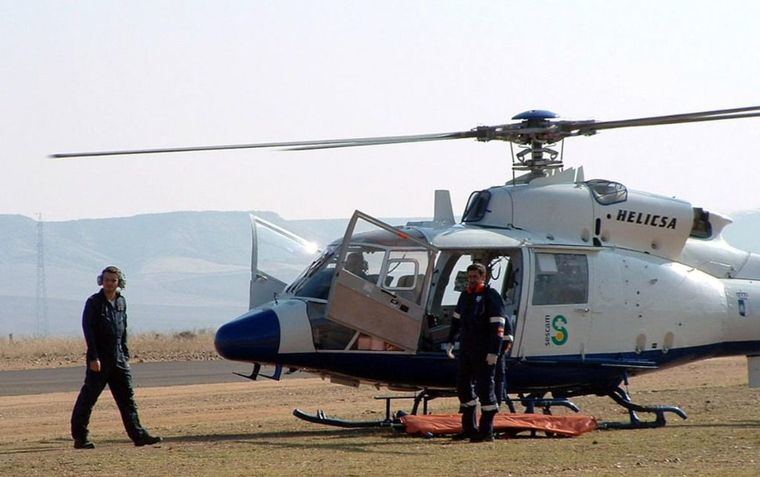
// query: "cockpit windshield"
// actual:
[[314, 282]]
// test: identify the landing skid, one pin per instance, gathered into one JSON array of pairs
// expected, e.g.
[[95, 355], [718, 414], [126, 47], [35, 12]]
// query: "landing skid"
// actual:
[[620, 396], [321, 418], [390, 421]]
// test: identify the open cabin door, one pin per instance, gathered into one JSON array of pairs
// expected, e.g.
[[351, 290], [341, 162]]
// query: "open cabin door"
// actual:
[[381, 282], [281, 252]]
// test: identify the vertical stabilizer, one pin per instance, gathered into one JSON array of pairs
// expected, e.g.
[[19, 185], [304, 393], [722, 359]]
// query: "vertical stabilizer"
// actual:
[[443, 212]]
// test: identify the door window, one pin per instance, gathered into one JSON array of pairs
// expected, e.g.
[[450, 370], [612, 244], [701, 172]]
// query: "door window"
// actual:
[[365, 261], [405, 273]]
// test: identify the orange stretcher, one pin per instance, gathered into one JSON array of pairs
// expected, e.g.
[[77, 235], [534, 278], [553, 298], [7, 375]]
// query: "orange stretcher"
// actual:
[[559, 426]]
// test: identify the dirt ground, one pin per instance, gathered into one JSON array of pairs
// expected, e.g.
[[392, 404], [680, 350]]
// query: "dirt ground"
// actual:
[[247, 429]]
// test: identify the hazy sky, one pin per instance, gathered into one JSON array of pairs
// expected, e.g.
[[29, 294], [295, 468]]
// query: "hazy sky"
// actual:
[[99, 75]]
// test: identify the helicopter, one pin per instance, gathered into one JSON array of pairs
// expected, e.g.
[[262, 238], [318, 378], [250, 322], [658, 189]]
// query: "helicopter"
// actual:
[[601, 282]]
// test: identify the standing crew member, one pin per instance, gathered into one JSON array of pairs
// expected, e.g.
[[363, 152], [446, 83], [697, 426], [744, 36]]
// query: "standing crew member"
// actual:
[[104, 322], [500, 379], [480, 317]]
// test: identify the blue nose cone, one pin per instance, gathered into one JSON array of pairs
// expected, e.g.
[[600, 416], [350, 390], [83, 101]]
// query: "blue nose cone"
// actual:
[[254, 336]]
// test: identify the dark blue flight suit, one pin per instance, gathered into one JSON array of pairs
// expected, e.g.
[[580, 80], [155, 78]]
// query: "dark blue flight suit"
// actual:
[[480, 320], [105, 331], [500, 380]]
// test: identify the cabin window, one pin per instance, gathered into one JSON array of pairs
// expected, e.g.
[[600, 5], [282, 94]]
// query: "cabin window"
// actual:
[[402, 274], [607, 192], [560, 278], [477, 206], [456, 282]]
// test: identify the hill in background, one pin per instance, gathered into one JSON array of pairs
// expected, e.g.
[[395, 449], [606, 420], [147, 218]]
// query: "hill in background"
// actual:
[[185, 270]]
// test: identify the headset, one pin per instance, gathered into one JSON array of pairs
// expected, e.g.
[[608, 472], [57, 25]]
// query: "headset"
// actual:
[[118, 272], [355, 262]]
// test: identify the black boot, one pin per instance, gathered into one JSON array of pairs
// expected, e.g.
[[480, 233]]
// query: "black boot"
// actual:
[[83, 444], [148, 440], [486, 427], [469, 428]]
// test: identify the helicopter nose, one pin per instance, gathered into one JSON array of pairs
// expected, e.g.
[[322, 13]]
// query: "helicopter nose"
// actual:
[[254, 337]]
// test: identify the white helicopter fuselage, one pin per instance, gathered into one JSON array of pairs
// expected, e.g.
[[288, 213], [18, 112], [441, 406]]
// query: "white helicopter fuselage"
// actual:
[[617, 281], [653, 284]]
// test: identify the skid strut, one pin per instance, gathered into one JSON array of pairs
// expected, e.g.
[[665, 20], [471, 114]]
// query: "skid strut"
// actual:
[[391, 420], [620, 396], [535, 400]]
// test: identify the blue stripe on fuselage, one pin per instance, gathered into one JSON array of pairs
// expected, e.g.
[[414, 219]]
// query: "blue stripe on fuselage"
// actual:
[[567, 373]]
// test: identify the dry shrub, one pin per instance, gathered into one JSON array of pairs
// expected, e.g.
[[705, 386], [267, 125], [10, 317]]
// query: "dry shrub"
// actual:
[[28, 352], [185, 335]]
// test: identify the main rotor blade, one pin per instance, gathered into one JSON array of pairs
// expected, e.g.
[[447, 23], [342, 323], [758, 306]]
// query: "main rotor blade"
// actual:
[[390, 140], [293, 145], [504, 132], [715, 115], [521, 133]]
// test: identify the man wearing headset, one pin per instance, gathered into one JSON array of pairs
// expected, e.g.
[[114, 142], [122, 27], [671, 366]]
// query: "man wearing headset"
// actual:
[[356, 264], [104, 322]]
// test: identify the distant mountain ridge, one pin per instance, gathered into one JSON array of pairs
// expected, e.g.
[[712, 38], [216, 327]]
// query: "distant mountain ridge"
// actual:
[[184, 270]]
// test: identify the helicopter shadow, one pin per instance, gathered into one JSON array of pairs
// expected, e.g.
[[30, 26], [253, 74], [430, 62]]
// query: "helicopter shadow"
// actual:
[[744, 424], [340, 439], [31, 450]]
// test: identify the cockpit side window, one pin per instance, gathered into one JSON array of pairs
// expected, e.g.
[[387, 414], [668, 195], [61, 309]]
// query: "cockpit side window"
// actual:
[[477, 206], [561, 278]]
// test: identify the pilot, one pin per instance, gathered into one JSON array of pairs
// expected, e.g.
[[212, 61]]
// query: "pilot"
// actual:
[[480, 317], [104, 322], [356, 264]]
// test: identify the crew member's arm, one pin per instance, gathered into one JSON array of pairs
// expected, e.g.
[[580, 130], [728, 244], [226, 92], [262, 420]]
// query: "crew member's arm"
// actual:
[[497, 324], [509, 335], [89, 315], [456, 323], [124, 348]]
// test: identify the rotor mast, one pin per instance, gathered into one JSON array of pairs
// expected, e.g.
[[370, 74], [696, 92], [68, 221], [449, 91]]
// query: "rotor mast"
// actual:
[[536, 157]]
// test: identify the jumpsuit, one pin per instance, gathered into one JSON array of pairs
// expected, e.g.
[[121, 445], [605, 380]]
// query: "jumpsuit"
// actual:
[[105, 332], [480, 319]]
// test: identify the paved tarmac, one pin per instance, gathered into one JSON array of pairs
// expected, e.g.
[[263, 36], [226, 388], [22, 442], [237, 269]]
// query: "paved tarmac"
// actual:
[[170, 373]]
